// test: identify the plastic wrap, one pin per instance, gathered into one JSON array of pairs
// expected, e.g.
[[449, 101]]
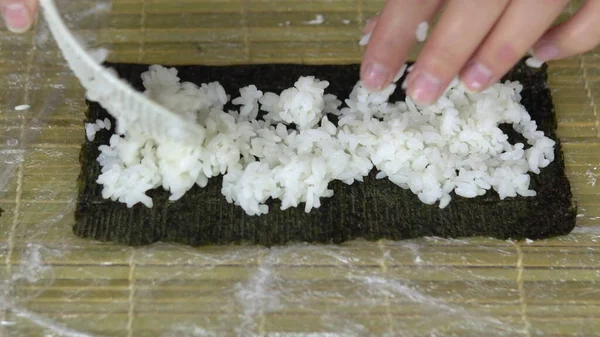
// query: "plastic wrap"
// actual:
[[54, 284]]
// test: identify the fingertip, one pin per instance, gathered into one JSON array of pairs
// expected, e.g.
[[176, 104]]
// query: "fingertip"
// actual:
[[578, 34], [17, 17], [424, 88], [392, 38], [375, 76], [476, 76], [545, 51]]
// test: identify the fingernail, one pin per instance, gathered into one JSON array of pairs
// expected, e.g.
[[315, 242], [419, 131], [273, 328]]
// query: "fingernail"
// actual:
[[17, 17], [375, 76], [424, 88], [545, 52], [477, 76]]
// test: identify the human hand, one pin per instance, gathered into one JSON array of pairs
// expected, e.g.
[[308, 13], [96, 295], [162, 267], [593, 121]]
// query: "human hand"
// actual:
[[18, 15], [479, 40]]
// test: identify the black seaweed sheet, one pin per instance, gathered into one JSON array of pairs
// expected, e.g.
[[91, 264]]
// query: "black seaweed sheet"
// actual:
[[375, 209]]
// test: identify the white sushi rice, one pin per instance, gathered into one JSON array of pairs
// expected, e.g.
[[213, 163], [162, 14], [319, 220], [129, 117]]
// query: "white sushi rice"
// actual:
[[92, 128], [364, 40], [422, 30], [22, 107], [454, 145], [319, 19], [534, 62]]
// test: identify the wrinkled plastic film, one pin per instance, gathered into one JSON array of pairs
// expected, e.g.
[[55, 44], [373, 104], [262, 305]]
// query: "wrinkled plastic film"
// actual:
[[38, 93], [44, 84], [56, 284]]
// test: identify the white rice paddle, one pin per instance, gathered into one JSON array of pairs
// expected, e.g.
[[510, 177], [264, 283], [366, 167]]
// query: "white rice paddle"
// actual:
[[131, 108]]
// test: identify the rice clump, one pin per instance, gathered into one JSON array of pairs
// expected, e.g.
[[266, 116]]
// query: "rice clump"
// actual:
[[292, 151], [92, 128]]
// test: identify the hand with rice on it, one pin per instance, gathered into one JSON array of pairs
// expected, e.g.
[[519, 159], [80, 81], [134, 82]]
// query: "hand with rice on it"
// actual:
[[478, 40]]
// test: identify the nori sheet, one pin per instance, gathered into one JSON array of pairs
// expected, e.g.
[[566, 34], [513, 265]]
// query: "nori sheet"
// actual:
[[375, 209]]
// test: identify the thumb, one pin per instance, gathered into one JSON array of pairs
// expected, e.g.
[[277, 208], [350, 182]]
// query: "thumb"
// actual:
[[18, 15]]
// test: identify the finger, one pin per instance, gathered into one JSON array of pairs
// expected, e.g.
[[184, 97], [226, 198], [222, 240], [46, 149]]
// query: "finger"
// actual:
[[579, 34], [18, 14], [462, 27], [370, 25], [391, 40], [521, 25]]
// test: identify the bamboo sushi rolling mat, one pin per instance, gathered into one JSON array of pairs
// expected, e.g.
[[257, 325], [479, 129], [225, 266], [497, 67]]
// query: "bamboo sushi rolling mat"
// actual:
[[52, 280]]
